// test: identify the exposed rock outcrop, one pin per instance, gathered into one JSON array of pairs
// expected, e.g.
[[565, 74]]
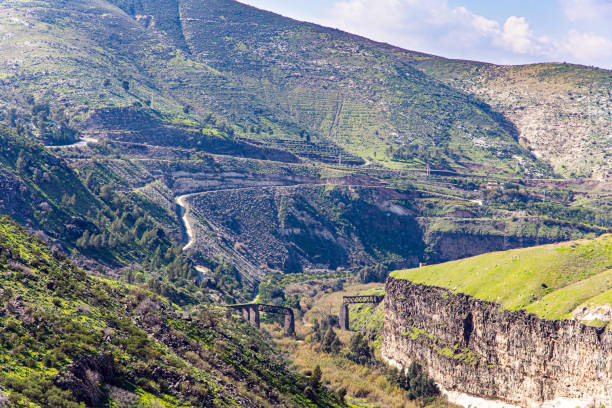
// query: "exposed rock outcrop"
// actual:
[[474, 347], [86, 377]]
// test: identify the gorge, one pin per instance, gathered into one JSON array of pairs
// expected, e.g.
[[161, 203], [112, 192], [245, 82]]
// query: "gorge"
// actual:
[[478, 352]]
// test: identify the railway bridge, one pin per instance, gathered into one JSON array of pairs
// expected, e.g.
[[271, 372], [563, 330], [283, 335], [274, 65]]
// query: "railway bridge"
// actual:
[[348, 300], [250, 312]]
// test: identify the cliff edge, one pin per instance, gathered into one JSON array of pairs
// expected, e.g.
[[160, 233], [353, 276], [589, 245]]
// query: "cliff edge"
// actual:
[[483, 355]]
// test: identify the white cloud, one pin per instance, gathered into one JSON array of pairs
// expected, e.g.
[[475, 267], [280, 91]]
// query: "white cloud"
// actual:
[[413, 23], [517, 35], [586, 47], [435, 27], [577, 10]]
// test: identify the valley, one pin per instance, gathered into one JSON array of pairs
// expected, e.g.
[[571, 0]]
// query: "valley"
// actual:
[[163, 159]]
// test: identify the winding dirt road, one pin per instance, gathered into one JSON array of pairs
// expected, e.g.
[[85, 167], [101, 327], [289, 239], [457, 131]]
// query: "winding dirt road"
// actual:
[[184, 214]]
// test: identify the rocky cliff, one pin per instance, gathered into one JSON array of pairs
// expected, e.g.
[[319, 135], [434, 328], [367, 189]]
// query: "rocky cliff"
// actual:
[[485, 356]]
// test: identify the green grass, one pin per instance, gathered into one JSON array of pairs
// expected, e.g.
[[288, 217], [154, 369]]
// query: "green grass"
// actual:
[[551, 281]]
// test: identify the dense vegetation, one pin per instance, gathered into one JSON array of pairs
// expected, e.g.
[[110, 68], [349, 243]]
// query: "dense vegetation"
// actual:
[[60, 324], [306, 158], [166, 96]]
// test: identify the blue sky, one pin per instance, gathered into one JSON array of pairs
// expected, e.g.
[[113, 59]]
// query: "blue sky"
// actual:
[[499, 31]]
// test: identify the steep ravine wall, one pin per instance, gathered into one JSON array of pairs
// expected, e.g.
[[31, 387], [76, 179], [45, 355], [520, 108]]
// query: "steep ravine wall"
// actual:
[[474, 347]]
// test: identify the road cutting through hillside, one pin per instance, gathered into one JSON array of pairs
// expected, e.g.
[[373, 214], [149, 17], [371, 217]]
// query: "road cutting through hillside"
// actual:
[[183, 210], [83, 141], [183, 206]]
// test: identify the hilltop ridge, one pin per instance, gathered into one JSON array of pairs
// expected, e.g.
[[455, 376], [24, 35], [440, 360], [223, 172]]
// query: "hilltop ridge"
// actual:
[[569, 280]]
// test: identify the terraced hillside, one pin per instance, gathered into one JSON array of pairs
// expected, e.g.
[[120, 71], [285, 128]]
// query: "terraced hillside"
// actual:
[[572, 280], [562, 112], [70, 339], [311, 227], [215, 74], [209, 101], [263, 216]]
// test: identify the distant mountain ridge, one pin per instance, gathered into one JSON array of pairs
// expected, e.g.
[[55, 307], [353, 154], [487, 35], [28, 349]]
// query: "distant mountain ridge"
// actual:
[[218, 64], [563, 112]]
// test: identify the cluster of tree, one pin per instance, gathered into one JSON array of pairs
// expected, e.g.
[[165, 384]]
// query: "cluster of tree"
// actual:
[[553, 203], [259, 129], [417, 151], [121, 226], [360, 350], [227, 129], [52, 126], [227, 279], [415, 381], [219, 124], [573, 214], [314, 383], [315, 386], [465, 184], [271, 294], [324, 335], [510, 192], [378, 273], [305, 135]]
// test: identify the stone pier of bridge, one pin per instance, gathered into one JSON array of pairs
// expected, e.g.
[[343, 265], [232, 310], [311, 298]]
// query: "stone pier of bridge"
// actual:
[[251, 313], [343, 316]]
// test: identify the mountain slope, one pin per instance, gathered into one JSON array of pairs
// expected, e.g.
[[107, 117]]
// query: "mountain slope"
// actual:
[[212, 98], [210, 65], [38, 188], [562, 112], [69, 338]]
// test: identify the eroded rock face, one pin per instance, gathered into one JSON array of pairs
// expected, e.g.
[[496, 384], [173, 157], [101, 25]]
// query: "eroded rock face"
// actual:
[[473, 347]]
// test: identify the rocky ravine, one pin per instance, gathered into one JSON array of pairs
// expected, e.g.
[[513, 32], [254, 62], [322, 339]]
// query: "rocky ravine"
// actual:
[[487, 357]]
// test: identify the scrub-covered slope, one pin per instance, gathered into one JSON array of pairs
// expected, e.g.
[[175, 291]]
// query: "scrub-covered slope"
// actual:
[[563, 112], [38, 188], [210, 71], [68, 338]]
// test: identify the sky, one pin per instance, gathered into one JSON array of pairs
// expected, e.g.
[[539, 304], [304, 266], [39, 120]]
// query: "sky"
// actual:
[[498, 31]]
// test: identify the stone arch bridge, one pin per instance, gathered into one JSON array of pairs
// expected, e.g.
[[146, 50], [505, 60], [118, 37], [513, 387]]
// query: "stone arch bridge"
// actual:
[[251, 311], [348, 300]]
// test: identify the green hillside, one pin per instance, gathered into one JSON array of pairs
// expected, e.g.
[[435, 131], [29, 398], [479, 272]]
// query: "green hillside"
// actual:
[[553, 281], [161, 158], [37, 187], [210, 97], [221, 76], [70, 338]]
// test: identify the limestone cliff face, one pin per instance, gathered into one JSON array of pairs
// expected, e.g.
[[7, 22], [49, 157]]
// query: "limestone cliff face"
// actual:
[[473, 347]]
